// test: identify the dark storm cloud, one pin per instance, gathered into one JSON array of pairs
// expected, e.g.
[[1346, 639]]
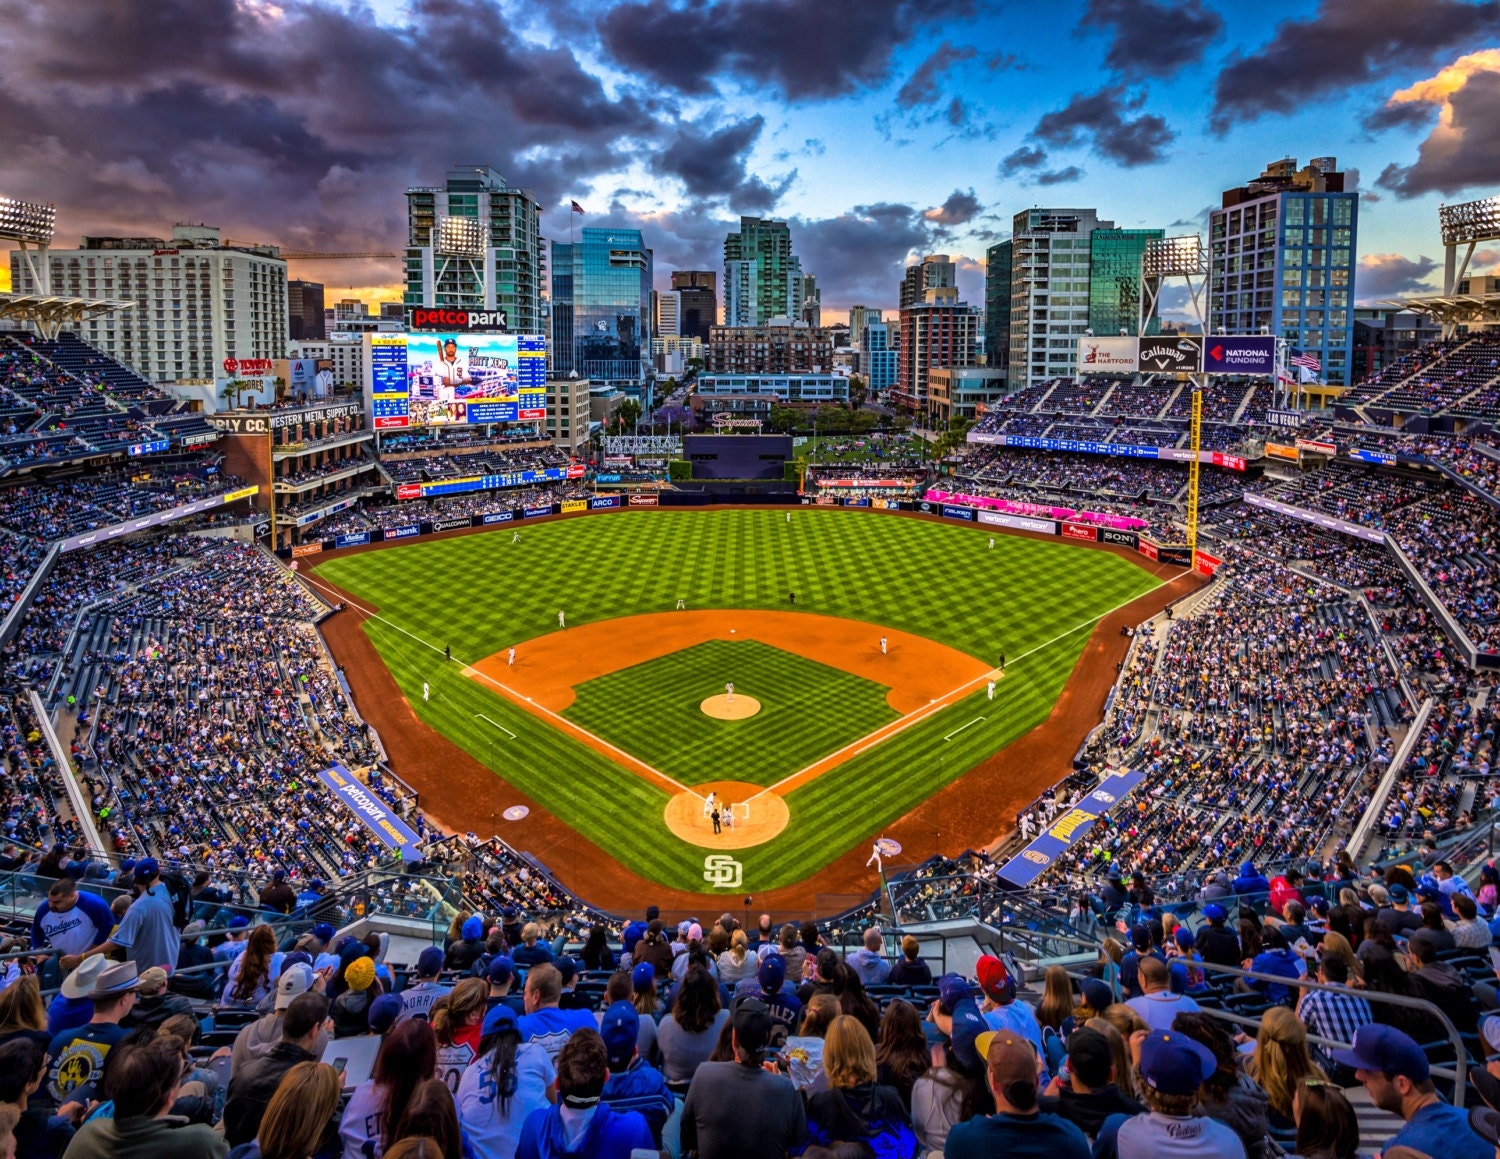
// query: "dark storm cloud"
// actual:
[[1060, 176], [921, 88], [805, 51], [1462, 154], [862, 253], [1346, 43], [1103, 120], [960, 207], [1026, 157], [1390, 275], [711, 163], [1154, 39]]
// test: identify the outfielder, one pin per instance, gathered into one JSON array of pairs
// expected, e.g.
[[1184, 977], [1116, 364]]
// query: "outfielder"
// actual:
[[515, 537], [424, 691], [561, 621], [681, 604]]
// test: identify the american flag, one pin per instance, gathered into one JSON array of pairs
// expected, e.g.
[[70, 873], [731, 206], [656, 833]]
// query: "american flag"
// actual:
[[1306, 360]]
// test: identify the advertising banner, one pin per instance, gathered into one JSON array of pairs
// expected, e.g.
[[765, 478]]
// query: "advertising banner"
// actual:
[[1080, 446], [374, 813], [1285, 419], [490, 482], [150, 448], [643, 501], [1080, 531], [1171, 354], [353, 539], [577, 471], [951, 512], [602, 502], [1017, 507], [1220, 459], [434, 379], [888, 504], [1123, 538], [1317, 518], [497, 517], [1240, 354], [607, 478], [1280, 451], [856, 502], [1205, 564], [571, 505], [155, 519], [306, 549], [1068, 828], [538, 512], [1382, 458], [1019, 522], [451, 524], [1108, 356], [1317, 448], [1146, 548], [408, 491], [457, 321], [406, 532], [1176, 553], [827, 500]]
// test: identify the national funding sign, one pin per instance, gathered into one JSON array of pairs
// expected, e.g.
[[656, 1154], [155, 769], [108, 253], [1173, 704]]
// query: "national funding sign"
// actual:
[[1239, 354]]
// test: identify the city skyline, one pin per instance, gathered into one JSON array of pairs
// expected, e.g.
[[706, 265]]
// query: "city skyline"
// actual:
[[880, 131]]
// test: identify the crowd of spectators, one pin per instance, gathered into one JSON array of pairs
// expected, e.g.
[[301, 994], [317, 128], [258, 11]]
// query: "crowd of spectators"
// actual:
[[50, 509]]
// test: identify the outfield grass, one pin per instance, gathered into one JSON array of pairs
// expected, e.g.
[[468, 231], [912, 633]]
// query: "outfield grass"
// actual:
[[808, 710], [1035, 600]]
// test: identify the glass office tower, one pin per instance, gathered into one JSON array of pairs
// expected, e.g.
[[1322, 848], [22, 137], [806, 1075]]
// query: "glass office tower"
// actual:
[[601, 308], [1115, 280]]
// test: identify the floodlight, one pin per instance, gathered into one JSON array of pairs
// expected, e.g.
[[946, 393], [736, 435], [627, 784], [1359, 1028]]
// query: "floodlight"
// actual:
[[1174, 257], [460, 237], [1470, 221], [27, 221]]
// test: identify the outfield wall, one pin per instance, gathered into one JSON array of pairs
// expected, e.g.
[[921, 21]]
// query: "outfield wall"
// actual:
[[1175, 554]]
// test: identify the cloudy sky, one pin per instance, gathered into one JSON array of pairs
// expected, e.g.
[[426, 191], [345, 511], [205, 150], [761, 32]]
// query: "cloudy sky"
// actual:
[[882, 129]]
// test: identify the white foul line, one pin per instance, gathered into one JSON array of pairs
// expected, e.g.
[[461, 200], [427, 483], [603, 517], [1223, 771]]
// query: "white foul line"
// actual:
[[960, 729], [496, 723]]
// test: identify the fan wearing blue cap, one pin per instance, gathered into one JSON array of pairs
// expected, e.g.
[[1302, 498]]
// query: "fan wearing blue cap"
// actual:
[[1216, 943], [1394, 1070], [770, 987], [423, 992], [501, 974], [505, 1084], [633, 1083], [147, 933], [469, 949], [1170, 1068], [71, 921]]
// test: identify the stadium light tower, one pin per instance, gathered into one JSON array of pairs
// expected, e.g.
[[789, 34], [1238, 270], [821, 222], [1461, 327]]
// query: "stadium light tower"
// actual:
[[30, 223], [1161, 261], [1466, 225], [462, 240]]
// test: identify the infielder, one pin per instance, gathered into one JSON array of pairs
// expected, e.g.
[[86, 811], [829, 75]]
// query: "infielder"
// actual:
[[681, 604], [729, 693], [511, 658], [710, 803], [989, 690], [882, 645]]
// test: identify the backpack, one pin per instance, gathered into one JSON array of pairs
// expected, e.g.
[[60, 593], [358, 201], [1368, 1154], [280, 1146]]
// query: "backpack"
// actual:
[[181, 894]]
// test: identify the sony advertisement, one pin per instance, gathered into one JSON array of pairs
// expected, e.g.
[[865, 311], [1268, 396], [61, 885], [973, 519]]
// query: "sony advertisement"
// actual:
[[435, 379]]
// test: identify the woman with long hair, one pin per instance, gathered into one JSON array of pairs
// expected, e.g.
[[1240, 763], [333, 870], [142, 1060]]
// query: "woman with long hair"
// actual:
[[645, 998], [855, 1002], [804, 1050], [855, 1108], [1111, 952], [22, 1011], [1326, 1126], [505, 1085], [431, 1114], [1249, 939], [1488, 896], [299, 1117], [902, 1055], [1228, 1095], [407, 1058], [254, 969], [1384, 975], [456, 1020], [737, 963], [1282, 1062], [950, 1092], [596, 954], [686, 1037], [456, 928], [1336, 944], [1056, 1007]]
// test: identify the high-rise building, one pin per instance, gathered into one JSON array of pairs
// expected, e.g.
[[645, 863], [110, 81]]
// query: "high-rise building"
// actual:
[[698, 290], [1115, 280], [601, 308], [812, 301], [304, 311], [1049, 291], [997, 276], [1283, 251], [776, 349], [877, 356], [859, 318], [934, 272], [668, 312], [762, 276], [197, 300], [939, 330], [475, 243]]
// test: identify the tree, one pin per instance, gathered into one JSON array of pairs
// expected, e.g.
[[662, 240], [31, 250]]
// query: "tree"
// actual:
[[859, 391], [237, 388], [952, 438], [627, 414]]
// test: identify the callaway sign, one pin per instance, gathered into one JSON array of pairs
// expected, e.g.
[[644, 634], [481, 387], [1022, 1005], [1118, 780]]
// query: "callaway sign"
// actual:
[[1171, 355], [430, 318]]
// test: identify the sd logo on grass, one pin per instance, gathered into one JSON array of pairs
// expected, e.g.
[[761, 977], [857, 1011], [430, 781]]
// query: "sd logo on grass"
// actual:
[[722, 871]]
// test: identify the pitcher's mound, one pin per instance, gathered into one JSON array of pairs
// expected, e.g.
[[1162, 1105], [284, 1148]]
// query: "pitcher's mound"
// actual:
[[722, 708], [768, 815]]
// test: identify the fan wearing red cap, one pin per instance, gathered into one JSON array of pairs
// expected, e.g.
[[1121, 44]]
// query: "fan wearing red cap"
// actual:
[[1018, 1126], [1000, 1008]]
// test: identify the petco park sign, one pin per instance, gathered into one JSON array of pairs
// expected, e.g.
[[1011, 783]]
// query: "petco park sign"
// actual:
[[429, 318]]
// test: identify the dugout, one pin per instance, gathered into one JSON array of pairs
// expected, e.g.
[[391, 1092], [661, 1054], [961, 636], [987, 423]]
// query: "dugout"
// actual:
[[737, 456]]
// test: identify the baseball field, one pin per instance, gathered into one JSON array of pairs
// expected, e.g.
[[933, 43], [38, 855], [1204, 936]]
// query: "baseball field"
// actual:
[[851, 706]]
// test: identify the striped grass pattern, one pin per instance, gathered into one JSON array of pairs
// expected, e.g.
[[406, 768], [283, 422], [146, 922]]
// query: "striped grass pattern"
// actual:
[[481, 593]]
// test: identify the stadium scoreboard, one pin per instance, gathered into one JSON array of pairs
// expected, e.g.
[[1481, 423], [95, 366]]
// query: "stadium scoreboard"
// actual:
[[415, 379]]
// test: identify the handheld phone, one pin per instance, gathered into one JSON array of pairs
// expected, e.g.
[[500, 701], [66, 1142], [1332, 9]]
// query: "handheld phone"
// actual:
[[339, 1064]]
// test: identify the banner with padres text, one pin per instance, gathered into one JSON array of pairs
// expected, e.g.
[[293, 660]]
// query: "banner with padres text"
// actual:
[[1067, 828]]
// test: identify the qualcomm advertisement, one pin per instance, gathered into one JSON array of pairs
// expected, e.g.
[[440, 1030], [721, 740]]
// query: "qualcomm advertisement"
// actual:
[[373, 812], [1067, 829], [418, 380]]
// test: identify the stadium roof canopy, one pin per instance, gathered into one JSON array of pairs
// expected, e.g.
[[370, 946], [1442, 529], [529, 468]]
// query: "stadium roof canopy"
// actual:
[[50, 314], [1476, 311]]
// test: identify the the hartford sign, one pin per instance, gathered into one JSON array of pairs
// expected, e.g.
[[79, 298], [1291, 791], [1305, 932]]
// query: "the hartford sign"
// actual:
[[435, 318]]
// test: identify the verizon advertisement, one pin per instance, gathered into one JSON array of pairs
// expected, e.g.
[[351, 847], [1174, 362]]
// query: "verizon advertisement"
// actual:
[[1316, 518], [1019, 522]]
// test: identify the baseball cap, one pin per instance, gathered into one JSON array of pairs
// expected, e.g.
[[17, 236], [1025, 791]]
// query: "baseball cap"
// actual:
[[1140, 937], [80, 983], [147, 868], [361, 974], [695, 932], [127, 865], [752, 1025], [430, 962], [1098, 994], [510, 913], [1387, 1050], [384, 1011], [567, 967], [968, 1027], [278, 875], [619, 1028], [296, 957], [1215, 912], [1174, 1064], [499, 1019], [953, 989], [1184, 937], [995, 979], [502, 969], [1090, 1057], [771, 974], [1010, 1057], [643, 977], [153, 980], [323, 932], [683, 927], [473, 929], [1319, 903], [238, 922], [653, 912], [294, 981], [1398, 894], [1485, 1123]]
